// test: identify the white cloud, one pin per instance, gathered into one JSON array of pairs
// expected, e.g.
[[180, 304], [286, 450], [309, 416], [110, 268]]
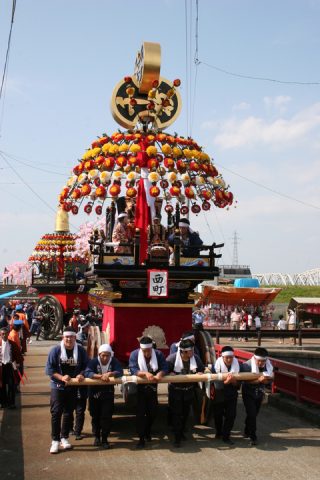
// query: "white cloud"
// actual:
[[278, 103], [241, 106], [253, 131]]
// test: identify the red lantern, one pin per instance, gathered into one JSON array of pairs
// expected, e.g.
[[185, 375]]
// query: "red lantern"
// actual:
[[153, 163], [76, 193], [115, 190], [169, 163], [64, 193], [109, 163], [66, 206], [78, 169], [74, 209], [88, 165], [212, 171], [121, 161], [195, 208], [206, 206], [133, 161], [98, 209], [175, 191], [99, 160], [194, 166], [131, 192], [181, 166], [101, 191], [229, 197], [206, 194], [154, 191], [85, 189], [97, 182], [189, 192]]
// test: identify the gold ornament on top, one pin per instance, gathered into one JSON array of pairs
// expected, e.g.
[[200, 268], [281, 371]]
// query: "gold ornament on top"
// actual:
[[146, 97]]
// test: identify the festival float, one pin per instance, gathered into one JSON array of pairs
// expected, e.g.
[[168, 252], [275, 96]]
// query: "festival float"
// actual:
[[145, 171], [54, 261]]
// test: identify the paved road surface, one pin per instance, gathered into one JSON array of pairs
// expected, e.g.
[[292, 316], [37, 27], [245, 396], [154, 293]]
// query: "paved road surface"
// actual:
[[288, 449]]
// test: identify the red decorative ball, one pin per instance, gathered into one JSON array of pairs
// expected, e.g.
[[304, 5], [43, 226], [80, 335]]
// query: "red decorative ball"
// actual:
[[121, 161], [164, 184], [175, 191], [184, 210], [189, 192], [101, 191], [78, 169], [206, 206], [195, 208], [88, 208], [97, 182], [131, 192], [109, 163], [74, 209], [153, 163], [168, 208], [98, 209], [154, 191], [114, 190], [169, 163]]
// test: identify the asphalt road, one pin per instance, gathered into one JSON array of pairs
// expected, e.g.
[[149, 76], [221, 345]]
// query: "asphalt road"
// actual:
[[288, 446]]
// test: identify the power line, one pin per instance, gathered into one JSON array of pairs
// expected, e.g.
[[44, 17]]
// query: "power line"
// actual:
[[253, 77], [284, 195], [26, 184], [12, 157], [8, 47]]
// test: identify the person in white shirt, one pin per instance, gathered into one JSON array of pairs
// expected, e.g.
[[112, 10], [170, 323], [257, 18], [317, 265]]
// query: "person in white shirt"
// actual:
[[292, 320], [282, 325], [257, 322]]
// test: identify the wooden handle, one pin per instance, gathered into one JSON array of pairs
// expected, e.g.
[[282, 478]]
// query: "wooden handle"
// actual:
[[205, 377]]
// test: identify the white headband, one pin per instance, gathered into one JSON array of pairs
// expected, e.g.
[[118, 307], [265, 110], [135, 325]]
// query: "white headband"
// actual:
[[186, 349], [184, 224], [260, 358], [190, 337], [144, 346], [227, 353], [105, 348], [69, 334]]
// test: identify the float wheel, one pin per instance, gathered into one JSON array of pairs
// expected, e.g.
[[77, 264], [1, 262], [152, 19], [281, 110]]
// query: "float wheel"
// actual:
[[53, 317]]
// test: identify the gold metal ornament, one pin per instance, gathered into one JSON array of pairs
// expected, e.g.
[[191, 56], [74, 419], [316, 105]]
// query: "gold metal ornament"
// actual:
[[146, 97], [62, 221]]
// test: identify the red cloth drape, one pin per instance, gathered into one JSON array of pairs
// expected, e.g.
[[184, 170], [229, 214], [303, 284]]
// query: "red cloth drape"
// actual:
[[142, 219]]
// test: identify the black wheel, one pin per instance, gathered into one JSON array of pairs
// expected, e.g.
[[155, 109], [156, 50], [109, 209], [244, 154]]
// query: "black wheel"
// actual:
[[206, 347], [52, 312], [201, 403]]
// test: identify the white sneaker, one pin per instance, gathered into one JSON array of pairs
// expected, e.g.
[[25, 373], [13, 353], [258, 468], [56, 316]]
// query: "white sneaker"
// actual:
[[54, 446], [65, 443]]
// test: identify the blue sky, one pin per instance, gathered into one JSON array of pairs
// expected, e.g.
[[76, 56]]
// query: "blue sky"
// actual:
[[66, 57]]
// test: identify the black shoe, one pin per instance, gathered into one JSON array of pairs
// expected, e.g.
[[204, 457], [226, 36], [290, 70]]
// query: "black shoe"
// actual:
[[253, 442], [141, 443], [228, 441], [106, 445], [79, 437], [97, 442], [148, 438], [246, 435]]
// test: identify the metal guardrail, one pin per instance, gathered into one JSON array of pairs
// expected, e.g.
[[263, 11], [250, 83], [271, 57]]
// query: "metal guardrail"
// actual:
[[303, 383], [297, 335]]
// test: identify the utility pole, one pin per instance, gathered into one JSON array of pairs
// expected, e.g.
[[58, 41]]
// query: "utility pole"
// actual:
[[235, 261]]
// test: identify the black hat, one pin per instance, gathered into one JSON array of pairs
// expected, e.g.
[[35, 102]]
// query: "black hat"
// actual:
[[186, 345], [261, 352], [146, 342], [185, 221], [188, 335]]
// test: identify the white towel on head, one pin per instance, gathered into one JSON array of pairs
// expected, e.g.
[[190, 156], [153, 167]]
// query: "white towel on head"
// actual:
[[221, 367], [178, 364], [64, 356], [268, 369], [143, 364]]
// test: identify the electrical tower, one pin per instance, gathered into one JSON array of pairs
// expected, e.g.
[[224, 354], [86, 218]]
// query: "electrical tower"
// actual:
[[235, 261]]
